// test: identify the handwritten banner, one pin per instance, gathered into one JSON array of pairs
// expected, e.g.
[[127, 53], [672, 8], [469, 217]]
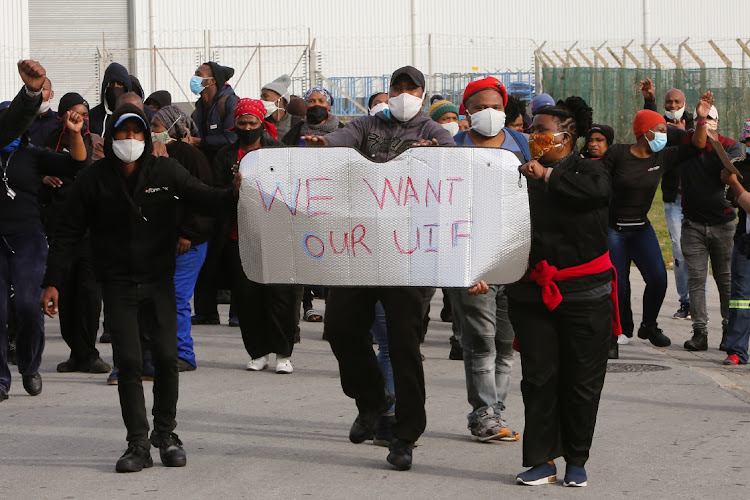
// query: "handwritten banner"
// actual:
[[434, 216]]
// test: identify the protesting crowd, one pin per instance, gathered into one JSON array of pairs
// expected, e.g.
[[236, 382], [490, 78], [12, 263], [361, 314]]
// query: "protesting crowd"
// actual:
[[130, 207]]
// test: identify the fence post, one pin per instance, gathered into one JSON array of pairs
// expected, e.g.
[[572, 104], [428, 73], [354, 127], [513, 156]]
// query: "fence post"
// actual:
[[675, 60], [745, 50], [627, 52], [583, 56], [621, 62], [693, 54], [721, 54], [652, 57]]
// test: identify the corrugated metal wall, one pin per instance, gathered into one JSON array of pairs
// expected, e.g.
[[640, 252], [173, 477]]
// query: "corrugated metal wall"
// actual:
[[14, 45], [65, 39]]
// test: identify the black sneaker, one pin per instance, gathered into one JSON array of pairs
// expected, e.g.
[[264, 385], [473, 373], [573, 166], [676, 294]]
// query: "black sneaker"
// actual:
[[457, 352], [654, 335], [184, 366], [135, 459], [106, 338], [401, 454], [98, 365], [699, 341], [723, 344], [3, 395], [170, 449], [614, 349], [68, 366], [366, 422], [32, 384], [683, 312], [205, 319]]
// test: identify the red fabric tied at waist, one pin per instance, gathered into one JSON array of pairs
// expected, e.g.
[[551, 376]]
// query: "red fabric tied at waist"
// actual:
[[546, 277]]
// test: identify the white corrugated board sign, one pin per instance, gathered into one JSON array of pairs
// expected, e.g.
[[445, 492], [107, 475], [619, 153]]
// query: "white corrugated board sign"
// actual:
[[434, 216]]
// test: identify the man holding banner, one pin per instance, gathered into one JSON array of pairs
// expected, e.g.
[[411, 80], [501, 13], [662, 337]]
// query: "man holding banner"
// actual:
[[350, 311]]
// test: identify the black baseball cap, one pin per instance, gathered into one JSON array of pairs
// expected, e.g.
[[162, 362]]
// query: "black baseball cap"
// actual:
[[413, 73]]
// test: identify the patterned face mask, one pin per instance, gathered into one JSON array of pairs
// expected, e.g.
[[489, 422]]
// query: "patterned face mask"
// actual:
[[541, 143]]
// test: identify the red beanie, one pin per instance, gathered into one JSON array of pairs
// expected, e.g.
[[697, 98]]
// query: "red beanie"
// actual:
[[484, 84], [645, 120]]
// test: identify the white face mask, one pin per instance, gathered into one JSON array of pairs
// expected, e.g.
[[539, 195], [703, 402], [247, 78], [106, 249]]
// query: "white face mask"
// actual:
[[404, 106], [712, 124], [451, 127], [488, 122], [675, 115], [128, 150], [378, 108], [271, 107], [43, 108]]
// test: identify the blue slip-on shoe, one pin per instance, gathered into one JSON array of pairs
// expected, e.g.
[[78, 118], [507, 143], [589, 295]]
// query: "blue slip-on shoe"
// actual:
[[112, 379], [541, 474], [575, 476], [147, 373]]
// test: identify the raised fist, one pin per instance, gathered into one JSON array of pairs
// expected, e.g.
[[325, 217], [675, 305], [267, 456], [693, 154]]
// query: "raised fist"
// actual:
[[33, 74]]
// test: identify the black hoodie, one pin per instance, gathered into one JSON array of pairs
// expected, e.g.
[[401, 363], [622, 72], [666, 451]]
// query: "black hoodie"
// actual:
[[133, 233], [98, 114]]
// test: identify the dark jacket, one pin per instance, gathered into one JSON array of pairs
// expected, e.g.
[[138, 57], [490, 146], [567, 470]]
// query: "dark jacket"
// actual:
[[98, 114], [25, 168], [133, 233], [214, 121], [670, 183], [381, 138], [52, 199], [42, 126], [193, 226], [291, 138], [703, 192], [568, 223], [15, 120]]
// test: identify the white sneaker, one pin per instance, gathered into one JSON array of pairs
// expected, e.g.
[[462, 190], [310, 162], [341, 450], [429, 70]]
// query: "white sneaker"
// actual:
[[283, 365], [258, 364], [623, 340]]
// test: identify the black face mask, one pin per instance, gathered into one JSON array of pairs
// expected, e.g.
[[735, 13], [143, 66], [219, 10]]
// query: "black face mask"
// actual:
[[248, 137], [317, 114], [111, 95]]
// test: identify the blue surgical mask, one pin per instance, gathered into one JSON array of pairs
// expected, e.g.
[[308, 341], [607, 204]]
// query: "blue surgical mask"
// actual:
[[12, 146], [196, 85], [659, 141]]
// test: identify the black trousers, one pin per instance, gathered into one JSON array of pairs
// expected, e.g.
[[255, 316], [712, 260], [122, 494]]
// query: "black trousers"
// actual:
[[563, 360], [213, 272], [349, 316], [130, 307], [268, 321], [80, 305]]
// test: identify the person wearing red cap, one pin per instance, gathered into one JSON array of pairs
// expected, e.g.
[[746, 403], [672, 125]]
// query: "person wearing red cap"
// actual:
[[265, 312], [481, 321], [636, 171]]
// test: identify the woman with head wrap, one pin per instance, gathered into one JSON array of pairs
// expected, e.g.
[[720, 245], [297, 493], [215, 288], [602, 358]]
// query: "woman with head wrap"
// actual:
[[318, 118], [636, 170], [173, 128]]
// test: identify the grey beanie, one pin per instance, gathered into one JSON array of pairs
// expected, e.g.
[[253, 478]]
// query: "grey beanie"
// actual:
[[280, 86]]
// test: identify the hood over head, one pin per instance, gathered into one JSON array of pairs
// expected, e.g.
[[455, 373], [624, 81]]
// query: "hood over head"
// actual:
[[109, 133]]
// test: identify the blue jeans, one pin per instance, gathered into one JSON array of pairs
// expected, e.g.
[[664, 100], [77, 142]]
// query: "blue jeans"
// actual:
[[643, 249], [673, 214], [738, 329], [23, 259], [188, 266], [487, 338], [380, 334]]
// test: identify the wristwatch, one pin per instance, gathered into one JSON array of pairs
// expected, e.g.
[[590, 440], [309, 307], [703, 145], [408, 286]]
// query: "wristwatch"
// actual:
[[32, 93]]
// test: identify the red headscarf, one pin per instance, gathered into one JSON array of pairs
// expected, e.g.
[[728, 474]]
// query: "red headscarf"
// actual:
[[255, 107]]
